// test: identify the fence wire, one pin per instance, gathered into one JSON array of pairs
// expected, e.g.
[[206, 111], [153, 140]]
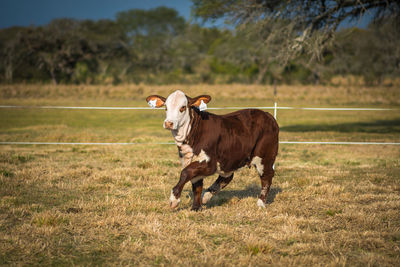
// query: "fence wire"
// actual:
[[275, 108]]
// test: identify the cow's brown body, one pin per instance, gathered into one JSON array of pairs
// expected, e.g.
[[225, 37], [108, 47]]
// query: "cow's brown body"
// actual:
[[209, 144], [231, 141]]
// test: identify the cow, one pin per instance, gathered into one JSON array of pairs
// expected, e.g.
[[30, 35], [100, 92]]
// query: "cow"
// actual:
[[209, 143]]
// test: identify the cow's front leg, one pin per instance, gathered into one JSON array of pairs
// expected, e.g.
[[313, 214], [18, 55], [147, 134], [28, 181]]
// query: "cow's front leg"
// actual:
[[192, 172]]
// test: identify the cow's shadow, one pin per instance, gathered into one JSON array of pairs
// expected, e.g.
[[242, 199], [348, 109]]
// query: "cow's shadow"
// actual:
[[252, 190]]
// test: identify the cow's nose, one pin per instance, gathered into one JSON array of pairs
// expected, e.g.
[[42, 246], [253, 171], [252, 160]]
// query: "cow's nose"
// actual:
[[169, 125]]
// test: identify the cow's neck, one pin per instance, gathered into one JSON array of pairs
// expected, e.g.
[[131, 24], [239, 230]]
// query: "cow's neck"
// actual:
[[183, 134]]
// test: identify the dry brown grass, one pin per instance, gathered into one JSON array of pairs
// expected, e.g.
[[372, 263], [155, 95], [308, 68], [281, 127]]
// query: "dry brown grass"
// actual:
[[108, 205], [93, 205]]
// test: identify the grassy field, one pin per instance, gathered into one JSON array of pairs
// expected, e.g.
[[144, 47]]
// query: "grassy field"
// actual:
[[96, 205]]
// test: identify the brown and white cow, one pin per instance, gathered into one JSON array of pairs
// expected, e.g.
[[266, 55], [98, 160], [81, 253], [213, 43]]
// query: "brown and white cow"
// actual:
[[209, 144]]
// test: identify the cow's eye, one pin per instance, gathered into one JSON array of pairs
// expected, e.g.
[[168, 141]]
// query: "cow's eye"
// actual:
[[182, 109]]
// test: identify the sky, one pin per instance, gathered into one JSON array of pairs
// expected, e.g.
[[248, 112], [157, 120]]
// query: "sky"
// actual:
[[41, 12]]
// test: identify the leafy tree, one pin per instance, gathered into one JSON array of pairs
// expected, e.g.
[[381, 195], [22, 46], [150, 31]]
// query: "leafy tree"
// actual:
[[153, 22], [150, 34], [373, 53], [306, 25], [272, 42], [109, 47], [13, 50], [59, 47], [191, 50]]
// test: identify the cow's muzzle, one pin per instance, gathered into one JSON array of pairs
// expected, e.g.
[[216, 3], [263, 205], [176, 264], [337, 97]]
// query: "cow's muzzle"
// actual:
[[169, 125]]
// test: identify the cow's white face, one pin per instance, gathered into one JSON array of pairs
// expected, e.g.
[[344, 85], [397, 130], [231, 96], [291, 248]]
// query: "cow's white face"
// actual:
[[176, 108]]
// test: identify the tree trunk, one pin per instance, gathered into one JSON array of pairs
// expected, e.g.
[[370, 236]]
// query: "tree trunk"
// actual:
[[261, 74], [316, 78], [53, 76], [9, 73]]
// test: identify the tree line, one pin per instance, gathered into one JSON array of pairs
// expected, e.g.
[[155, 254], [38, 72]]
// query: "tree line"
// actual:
[[158, 46]]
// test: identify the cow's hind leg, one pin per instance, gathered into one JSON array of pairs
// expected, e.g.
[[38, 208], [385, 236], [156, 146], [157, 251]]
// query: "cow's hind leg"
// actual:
[[219, 184], [197, 188], [266, 175]]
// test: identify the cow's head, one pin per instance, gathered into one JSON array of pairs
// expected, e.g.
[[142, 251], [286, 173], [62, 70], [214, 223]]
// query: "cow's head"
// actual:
[[177, 107]]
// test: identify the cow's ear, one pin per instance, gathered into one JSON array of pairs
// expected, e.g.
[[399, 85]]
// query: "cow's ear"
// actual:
[[196, 101], [155, 101]]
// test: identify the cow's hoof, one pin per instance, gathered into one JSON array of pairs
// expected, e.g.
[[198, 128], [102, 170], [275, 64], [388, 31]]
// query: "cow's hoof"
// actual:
[[173, 201], [260, 203], [206, 197], [196, 208]]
